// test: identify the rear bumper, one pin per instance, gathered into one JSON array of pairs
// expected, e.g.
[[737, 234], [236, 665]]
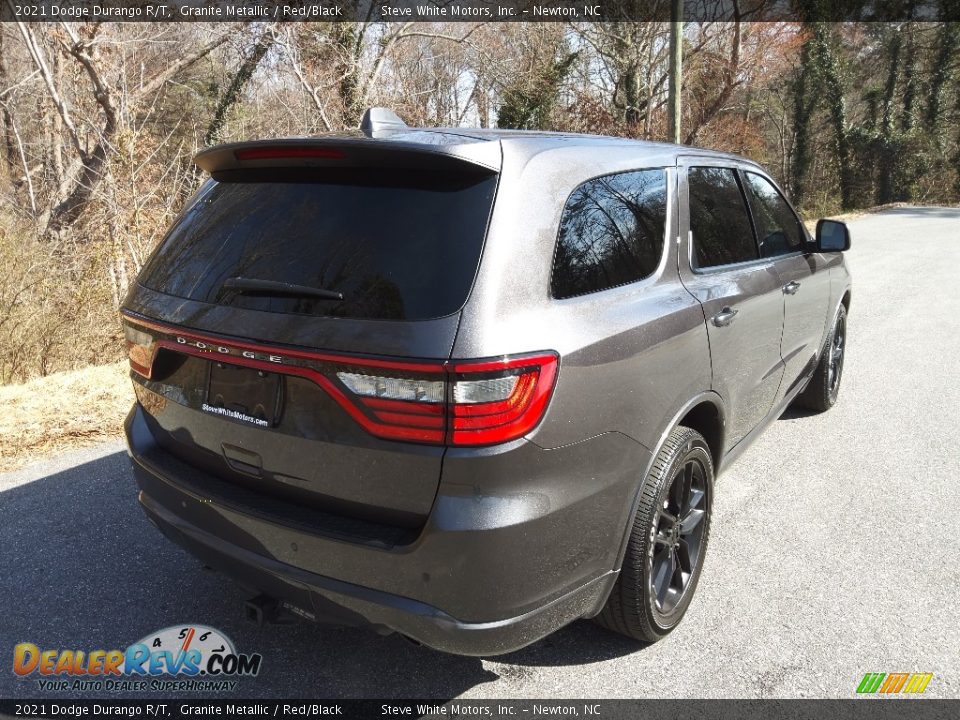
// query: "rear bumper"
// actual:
[[520, 542], [348, 604]]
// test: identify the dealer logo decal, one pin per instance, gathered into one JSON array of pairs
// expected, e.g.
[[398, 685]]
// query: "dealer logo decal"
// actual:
[[180, 657]]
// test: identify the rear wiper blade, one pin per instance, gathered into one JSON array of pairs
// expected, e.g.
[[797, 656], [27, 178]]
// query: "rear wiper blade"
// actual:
[[273, 287]]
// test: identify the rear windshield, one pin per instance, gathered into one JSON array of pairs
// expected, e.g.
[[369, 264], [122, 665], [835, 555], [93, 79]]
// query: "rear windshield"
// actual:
[[399, 245]]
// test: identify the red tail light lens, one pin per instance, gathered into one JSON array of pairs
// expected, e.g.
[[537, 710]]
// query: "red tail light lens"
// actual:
[[396, 404], [471, 403], [500, 400]]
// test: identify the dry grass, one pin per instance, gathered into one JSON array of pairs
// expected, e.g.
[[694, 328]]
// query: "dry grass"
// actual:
[[62, 411]]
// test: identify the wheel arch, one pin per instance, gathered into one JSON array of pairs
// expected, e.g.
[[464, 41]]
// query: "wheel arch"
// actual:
[[706, 418], [704, 412]]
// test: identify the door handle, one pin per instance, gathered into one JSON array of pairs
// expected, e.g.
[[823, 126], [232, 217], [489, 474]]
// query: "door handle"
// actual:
[[724, 317], [791, 287]]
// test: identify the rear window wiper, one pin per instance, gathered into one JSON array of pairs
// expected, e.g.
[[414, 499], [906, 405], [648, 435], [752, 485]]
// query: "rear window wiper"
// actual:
[[273, 287]]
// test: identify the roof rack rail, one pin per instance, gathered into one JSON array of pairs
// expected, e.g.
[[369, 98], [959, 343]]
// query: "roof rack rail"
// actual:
[[377, 118]]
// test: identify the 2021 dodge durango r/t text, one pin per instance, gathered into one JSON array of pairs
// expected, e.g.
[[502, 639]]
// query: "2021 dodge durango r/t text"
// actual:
[[470, 386]]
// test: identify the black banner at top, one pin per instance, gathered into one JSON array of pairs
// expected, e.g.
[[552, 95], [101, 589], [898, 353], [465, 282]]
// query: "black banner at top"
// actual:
[[475, 10]]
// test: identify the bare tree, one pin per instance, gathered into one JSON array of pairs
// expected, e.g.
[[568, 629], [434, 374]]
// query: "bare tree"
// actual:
[[86, 171]]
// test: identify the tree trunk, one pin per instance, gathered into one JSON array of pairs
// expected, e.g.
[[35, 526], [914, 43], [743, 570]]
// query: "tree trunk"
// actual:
[[483, 106], [886, 143], [674, 106], [235, 88], [349, 41], [633, 95], [948, 41], [910, 84], [956, 158], [829, 70], [9, 146], [802, 112]]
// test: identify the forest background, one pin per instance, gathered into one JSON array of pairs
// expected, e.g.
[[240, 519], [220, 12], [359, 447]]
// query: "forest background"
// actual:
[[99, 122]]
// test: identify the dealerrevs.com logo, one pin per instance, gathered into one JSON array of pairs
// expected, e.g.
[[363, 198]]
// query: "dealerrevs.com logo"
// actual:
[[177, 658]]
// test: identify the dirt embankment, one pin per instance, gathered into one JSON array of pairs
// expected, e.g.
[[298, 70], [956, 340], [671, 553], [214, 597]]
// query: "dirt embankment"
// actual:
[[62, 411]]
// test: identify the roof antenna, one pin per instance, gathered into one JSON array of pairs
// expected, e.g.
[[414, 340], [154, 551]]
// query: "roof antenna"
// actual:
[[377, 119]]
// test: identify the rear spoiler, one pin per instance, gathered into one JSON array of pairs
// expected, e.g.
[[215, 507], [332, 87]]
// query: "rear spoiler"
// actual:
[[413, 149]]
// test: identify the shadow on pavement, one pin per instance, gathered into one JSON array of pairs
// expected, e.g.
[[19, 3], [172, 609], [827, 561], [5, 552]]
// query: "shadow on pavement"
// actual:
[[83, 569], [581, 643], [795, 412]]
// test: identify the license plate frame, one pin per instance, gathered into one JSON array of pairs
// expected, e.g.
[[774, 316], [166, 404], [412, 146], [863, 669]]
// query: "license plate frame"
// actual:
[[244, 394]]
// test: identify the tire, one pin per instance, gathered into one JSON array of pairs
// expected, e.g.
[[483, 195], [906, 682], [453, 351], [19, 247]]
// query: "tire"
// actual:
[[821, 392], [648, 599]]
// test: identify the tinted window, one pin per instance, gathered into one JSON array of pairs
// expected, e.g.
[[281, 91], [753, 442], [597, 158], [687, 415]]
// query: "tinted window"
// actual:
[[398, 245], [721, 228], [778, 229], [611, 233]]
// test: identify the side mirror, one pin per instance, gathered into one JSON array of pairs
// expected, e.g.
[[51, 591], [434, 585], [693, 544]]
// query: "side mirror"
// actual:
[[832, 236]]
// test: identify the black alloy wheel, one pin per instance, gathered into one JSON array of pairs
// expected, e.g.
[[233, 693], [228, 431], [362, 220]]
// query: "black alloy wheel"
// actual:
[[824, 386], [678, 534], [835, 360], [667, 543]]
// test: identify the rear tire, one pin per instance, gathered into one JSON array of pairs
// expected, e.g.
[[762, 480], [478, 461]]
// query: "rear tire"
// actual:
[[821, 393], [667, 544]]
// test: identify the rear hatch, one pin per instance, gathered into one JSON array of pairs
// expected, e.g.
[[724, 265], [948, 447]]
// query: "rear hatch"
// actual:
[[306, 292]]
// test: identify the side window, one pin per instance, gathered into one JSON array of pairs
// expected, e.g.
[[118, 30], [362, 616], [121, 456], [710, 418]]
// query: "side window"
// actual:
[[719, 221], [611, 233], [778, 228]]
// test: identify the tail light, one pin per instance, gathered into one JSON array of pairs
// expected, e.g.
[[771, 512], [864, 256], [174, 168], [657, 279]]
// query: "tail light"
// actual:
[[403, 403], [499, 400], [468, 403], [457, 402], [141, 348]]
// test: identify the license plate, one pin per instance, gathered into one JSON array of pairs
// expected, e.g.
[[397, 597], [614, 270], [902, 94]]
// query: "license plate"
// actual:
[[245, 394]]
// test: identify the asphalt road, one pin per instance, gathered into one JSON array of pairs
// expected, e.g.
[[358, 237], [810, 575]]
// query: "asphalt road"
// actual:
[[835, 548]]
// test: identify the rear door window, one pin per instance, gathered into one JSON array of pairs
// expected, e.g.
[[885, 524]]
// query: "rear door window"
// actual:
[[611, 233], [719, 221], [399, 245], [778, 228]]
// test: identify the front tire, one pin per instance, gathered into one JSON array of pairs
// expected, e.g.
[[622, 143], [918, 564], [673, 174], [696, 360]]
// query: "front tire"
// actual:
[[821, 393], [668, 542]]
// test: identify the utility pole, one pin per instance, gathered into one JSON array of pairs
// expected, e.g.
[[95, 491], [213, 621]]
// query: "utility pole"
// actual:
[[676, 68]]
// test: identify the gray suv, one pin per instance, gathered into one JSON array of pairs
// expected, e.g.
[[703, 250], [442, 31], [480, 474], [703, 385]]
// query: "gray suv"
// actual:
[[470, 385]]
